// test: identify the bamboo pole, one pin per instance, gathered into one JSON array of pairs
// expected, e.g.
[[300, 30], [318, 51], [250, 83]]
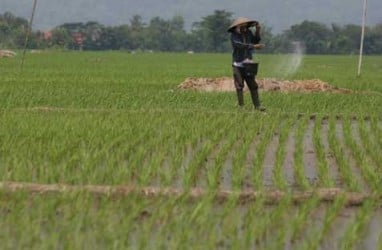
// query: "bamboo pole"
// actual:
[[29, 31], [362, 36]]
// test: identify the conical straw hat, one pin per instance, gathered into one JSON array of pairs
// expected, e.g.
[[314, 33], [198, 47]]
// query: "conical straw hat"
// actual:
[[241, 20]]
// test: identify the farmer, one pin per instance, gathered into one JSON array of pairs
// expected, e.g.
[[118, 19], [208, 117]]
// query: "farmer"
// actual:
[[244, 42]]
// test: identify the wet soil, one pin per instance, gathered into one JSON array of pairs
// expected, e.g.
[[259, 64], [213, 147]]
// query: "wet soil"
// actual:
[[310, 160]]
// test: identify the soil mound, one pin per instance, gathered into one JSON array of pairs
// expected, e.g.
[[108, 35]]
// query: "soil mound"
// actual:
[[267, 84], [7, 53]]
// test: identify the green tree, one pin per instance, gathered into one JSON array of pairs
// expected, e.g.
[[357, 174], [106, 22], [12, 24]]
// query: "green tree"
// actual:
[[315, 36], [211, 33], [108, 41], [137, 33], [345, 40], [92, 32], [166, 35], [374, 40], [61, 38], [280, 43], [123, 34], [178, 33], [12, 31]]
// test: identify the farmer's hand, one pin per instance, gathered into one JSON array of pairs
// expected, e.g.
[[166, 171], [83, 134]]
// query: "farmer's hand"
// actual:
[[258, 46]]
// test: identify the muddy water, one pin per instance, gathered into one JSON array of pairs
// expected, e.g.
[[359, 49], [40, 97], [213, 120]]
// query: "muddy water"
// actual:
[[249, 170], [230, 223], [373, 232], [289, 157], [373, 139], [310, 159], [202, 179], [332, 164], [309, 229], [269, 161], [355, 129], [187, 158], [226, 173], [333, 239], [354, 168]]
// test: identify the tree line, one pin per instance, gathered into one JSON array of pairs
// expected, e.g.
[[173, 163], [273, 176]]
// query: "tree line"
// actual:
[[207, 35]]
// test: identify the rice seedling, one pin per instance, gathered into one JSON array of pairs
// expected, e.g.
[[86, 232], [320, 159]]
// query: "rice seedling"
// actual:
[[113, 118], [367, 170], [301, 179], [344, 168], [278, 173], [370, 145], [323, 167], [318, 235], [355, 231]]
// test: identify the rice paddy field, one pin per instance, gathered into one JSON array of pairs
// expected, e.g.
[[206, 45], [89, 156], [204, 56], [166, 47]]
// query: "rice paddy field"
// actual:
[[100, 150]]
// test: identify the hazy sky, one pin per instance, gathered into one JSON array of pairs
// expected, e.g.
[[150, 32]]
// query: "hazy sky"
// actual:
[[278, 14]]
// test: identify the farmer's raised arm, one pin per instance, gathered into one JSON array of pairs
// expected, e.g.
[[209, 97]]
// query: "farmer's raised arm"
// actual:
[[237, 42], [256, 37]]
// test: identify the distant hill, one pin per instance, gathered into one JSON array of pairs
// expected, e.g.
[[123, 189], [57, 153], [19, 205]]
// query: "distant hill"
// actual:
[[278, 14]]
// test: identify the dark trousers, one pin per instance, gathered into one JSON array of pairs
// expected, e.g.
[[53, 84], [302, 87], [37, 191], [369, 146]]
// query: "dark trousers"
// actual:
[[240, 75]]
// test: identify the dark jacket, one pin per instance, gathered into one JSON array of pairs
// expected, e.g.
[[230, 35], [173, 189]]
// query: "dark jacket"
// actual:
[[242, 45]]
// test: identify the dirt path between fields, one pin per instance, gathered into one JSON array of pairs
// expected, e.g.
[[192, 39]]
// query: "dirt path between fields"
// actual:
[[245, 196]]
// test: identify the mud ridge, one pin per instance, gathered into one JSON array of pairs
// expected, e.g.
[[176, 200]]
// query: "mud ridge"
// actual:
[[243, 197], [224, 84]]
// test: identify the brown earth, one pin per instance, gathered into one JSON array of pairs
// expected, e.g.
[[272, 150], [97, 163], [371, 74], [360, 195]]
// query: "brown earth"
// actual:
[[7, 53], [244, 196], [223, 84]]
